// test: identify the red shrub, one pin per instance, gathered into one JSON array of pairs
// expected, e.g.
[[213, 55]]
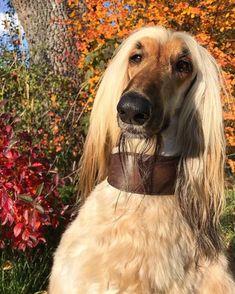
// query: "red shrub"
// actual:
[[29, 198]]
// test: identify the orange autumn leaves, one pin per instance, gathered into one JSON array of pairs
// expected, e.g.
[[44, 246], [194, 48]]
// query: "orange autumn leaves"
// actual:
[[104, 24]]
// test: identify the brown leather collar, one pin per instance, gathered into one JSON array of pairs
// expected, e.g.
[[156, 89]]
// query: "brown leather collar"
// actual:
[[161, 181]]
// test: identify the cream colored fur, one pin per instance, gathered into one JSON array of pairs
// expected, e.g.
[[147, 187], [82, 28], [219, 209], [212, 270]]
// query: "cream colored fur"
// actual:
[[140, 244]]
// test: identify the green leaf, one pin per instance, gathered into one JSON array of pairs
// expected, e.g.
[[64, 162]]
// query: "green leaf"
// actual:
[[88, 74], [26, 197], [39, 208], [39, 189], [89, 58]]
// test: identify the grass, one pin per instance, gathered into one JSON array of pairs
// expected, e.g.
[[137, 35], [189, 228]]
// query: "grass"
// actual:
[[228, 227], [22, 274], [28, 273]]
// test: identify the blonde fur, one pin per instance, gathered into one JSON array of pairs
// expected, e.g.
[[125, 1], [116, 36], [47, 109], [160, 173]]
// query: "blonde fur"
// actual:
[[104, 132], [201, 185], [130, 243]]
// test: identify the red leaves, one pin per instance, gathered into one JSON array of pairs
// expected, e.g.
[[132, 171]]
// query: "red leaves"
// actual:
[[11, 154], [37, 164], [17, 229], [28, 190], [25, 235]]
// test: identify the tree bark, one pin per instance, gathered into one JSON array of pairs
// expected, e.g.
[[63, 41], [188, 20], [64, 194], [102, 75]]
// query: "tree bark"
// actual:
[[46, 25]]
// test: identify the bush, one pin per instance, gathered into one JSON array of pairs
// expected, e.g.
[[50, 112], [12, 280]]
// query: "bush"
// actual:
[[29, 188], [40, 143], [46, 103]]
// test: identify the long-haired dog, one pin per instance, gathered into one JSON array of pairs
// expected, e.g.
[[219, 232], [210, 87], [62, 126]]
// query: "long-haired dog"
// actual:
[[155, 148]]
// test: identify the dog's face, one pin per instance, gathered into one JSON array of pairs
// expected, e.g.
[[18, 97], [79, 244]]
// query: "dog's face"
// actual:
[[160, 75]]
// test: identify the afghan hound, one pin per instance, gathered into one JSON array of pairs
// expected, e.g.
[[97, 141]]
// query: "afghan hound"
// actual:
[[155, 152]]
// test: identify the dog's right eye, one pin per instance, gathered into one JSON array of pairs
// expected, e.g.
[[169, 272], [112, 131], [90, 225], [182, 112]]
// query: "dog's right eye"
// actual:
[[135, 59], [183, 66]]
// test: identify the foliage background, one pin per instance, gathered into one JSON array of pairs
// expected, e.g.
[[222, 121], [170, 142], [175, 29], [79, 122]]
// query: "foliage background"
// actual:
[[106, 23], [54, 113]]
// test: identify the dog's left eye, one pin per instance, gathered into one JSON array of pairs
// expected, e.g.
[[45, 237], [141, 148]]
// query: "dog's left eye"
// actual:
[[184, 66], [136, 58]]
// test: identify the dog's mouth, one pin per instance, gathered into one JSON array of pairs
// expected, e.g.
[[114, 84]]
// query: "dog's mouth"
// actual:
[[138, 118], [148, 131], [131, 130]]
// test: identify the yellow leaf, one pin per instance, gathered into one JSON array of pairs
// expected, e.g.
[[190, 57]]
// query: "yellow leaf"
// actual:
[[53, 100], [55, 129], [73, 13], [7, 265]]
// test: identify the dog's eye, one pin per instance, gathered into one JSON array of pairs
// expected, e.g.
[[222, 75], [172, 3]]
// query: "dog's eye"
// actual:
[[136, 58], [184, 66]]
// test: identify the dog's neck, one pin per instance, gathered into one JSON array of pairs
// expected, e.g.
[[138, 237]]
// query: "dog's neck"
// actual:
[[138, 169], [169, 146]]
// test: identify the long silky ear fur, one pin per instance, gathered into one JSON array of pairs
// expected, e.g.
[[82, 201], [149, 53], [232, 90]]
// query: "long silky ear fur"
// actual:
[[103, 131], [200, 186]]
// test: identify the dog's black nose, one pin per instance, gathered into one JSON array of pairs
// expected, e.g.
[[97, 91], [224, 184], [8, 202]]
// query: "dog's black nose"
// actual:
[[133, 108]]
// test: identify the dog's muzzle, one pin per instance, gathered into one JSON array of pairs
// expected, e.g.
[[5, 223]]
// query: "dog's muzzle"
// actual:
[[134, 109]]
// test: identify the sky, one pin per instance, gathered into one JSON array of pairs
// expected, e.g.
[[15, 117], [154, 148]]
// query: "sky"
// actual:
[[3, 6], [2, 18], [5, 38], [3, 9]]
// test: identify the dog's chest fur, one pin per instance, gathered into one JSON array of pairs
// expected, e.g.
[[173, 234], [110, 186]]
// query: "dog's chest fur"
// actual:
[[123, 243]]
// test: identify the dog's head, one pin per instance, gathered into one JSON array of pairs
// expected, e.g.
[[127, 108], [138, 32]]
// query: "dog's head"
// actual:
[[160, 74]]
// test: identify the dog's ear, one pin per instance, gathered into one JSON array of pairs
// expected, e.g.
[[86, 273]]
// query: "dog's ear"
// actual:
[[200, 187], [103, 132]]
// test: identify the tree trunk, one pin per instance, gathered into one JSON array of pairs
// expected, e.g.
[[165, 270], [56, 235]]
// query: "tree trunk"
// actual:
[[46, 24]]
